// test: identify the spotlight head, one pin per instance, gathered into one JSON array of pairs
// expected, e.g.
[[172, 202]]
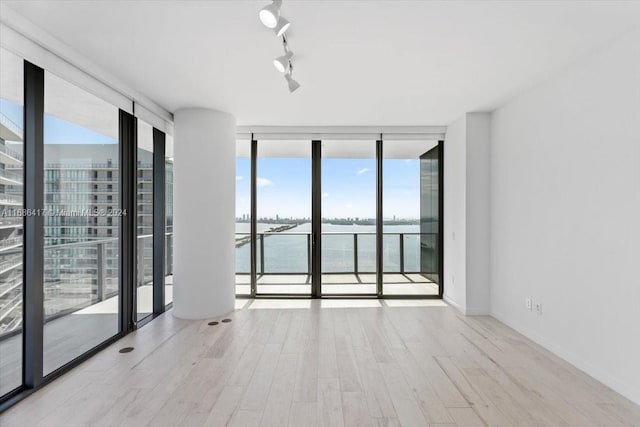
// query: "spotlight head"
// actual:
[[282, 26], [282, 62], [270, 14], [293, 85]]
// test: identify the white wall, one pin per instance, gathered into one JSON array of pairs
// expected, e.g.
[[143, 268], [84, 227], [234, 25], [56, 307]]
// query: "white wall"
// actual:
[[477, 198], [455, 164], [565, 214], [466, 209]]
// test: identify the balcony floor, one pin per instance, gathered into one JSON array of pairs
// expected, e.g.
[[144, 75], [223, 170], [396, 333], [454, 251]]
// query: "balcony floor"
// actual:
[[326, 362], [67, 337], [339, 284]]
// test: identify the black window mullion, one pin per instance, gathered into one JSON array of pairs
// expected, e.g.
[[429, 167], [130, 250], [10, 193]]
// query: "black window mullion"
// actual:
[[33, 256], [316, 218], [254, 219], [159, 215], [379, 225], [128, 235], [440, 218]]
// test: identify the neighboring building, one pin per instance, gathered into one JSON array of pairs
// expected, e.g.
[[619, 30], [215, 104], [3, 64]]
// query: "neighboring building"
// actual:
[[81, 250], [11, 230]]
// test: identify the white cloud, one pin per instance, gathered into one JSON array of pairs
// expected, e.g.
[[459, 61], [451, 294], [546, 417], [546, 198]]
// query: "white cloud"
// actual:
[[238, 177], [263, 182], [363, 170]]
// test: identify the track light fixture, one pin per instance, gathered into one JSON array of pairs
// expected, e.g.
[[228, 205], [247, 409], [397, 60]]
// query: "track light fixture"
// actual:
[[281, 27], [270, 17], [282, 62], [293, 85], [270, 14]]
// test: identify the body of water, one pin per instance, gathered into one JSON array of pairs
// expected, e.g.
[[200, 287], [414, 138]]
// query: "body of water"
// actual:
[[289, 251]]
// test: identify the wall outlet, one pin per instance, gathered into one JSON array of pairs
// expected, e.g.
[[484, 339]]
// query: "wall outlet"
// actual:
[[539, 308], [529, 303]]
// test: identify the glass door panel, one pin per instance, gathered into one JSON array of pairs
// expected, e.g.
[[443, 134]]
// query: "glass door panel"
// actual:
[[410, 217], [348, 217], [81, 243], [11, 225], [283, 241], [243, 217], [144, 227]]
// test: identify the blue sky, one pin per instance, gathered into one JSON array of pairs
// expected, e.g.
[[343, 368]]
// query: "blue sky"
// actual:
[[348, 187]]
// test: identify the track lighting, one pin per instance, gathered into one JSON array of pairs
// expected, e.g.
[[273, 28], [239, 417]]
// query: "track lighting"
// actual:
[[270, 14], [282, 62], [270, 17], [282, 27], [293, 85]]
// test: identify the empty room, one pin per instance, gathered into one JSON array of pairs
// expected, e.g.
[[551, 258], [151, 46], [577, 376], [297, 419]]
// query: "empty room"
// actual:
[[319, 213]]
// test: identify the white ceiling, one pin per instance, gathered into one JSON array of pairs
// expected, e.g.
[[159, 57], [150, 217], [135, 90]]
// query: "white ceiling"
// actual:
[[359, 62]]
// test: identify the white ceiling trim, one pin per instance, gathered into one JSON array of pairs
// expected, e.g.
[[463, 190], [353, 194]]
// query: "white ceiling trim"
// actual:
[[22, 37], [342, 132]]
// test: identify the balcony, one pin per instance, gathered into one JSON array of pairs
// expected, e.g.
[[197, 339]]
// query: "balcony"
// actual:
[[283, 263], [10, 178], [82, 296]]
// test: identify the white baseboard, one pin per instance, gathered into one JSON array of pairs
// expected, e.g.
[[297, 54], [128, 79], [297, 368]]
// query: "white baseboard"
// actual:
[[471, 311], [630, 391], [453, 304]]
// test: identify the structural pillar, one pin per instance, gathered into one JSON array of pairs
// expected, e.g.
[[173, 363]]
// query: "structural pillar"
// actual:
[[204, 213]]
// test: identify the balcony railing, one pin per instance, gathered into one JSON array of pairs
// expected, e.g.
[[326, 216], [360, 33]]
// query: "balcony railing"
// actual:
[[11, 175], [342, 252], [11, 153], [76, 275], [11, 125]]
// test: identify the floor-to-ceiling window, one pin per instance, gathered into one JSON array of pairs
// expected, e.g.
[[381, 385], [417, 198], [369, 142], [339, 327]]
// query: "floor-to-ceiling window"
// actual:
[[410, 218], [168, 255], [243, 217], [144, 223], [11, 224], [63, 152], [338, 217], [283, 255], [81, 229], [348, 200]]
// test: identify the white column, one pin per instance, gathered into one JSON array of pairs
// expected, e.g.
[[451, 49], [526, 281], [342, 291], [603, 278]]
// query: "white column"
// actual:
[[204, 210]]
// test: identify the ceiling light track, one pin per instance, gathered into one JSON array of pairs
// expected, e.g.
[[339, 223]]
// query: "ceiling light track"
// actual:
[[271, 18]]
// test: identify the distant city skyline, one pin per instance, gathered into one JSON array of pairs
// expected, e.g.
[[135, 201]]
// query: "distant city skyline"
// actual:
[[348, 188]]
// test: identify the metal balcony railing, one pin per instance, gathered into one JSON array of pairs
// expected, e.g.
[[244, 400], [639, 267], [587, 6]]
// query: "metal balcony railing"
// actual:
[[11, 175], [354, 253], [76, 275], [10, 152], [11, 125]]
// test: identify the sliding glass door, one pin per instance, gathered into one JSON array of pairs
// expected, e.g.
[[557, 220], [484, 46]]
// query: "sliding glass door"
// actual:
[[81, 228], [339, 218], [283, 218], [76, 198], [348, 200], [410, 218]]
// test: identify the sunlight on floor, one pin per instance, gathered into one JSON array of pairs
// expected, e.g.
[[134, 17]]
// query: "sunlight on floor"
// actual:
[[349, 303], [415, 303], [280, 304]]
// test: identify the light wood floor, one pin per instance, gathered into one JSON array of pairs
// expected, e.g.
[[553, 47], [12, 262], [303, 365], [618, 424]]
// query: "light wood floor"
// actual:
[[331, 362]]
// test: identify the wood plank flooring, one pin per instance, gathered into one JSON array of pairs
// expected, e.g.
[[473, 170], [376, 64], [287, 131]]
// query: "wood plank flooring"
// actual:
[[326, 363]]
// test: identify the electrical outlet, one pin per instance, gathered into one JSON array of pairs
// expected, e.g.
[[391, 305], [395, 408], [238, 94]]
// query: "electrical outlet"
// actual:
[[529, 303], [539, 308]]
